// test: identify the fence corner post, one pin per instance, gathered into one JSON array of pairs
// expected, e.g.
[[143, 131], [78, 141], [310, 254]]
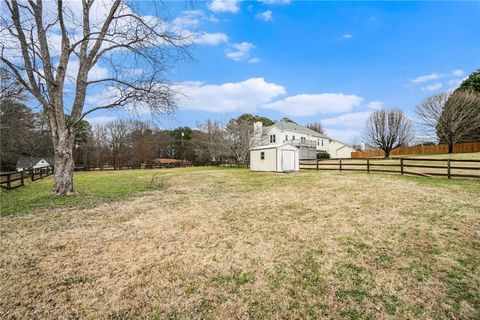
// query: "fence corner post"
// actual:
[[317, 163], [401, 165], [448, 169], [340, 164], [368, 165]]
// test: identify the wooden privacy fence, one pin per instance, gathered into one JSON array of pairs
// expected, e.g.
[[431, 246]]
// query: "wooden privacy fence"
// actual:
[[12, 180], [415, 166], [431, 149]]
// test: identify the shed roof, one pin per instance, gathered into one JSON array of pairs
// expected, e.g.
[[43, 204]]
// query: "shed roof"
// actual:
[[26, 162]]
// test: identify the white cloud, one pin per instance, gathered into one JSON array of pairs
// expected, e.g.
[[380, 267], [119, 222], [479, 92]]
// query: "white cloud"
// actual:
[[458, 73], [224, 6], [228, 97], [352, 119], [100, 120], [254, 60], [106, 96], [275, 1], [96, 73], [344, 135], [375, 105], [455, 82], [346, 36], [265, 16], [312, 104], [188, 19], [211, 39], [240, 51], [425, 78], [432, 87]]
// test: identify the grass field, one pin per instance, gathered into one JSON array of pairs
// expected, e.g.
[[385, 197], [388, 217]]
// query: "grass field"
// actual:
[[466, 168], [227, 243]]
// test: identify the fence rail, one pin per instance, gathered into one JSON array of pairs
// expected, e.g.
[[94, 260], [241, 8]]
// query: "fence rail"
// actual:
[[159, 166], [458, 168], [466, 147], [12, 180]]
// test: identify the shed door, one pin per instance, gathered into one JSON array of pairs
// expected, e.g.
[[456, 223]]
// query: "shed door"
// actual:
[[288, 160]]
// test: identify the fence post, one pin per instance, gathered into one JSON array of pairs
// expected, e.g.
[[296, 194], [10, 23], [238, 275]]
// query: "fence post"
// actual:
[[8, 181], [340, 164], [448, 168], [21, 175], [41, 173], [401, 165], [317, 164], [32, 173], [368, 165]]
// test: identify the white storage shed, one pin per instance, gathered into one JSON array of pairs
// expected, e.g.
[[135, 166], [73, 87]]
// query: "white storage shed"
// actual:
[[275, 158]]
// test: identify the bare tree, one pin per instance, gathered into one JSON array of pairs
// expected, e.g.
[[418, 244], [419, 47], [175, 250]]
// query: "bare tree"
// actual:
[[430, 112], [460, 119], [118, 143], [62, 52], [452, 117], [211, 139], [317, 127], [389, 129], [238, 139]]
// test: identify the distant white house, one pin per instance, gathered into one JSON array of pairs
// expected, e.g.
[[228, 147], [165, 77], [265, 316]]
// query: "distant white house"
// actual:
[[308, 142], [275, 158], [338, 149], [33, 162]]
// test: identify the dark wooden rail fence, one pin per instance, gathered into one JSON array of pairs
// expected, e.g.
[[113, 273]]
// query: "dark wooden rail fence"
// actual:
[[461, 168], [12, 180]]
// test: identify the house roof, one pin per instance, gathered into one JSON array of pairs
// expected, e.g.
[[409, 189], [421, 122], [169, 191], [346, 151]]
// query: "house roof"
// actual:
[[26, 162], [290, 126]]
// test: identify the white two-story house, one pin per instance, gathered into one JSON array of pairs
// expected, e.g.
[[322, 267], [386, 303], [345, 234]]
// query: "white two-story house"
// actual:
[[309, 142]]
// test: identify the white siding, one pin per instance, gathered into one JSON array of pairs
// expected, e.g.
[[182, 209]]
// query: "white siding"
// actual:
[[267, 164], [339, 150], [273, 158]]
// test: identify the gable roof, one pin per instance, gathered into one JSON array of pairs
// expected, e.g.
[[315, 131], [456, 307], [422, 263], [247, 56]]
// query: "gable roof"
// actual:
[[290, 126], [27, 162]]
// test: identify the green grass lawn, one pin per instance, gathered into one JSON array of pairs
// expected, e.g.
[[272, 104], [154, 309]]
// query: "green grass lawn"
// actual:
[[458, 156], [226, 243], [93, 188]]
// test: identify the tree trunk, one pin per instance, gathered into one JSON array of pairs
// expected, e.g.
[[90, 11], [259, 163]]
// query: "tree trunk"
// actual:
[[386, 153], [450, 147], [64, 165]]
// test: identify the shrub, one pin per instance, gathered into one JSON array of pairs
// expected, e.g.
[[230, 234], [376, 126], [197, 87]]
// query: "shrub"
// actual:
[[323, 155]]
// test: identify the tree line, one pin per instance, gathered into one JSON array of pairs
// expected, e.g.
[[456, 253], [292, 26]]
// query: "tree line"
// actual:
[[448, 117], [121, 143]]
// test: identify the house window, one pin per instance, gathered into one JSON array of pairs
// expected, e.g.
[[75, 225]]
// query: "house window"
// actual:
[[262, 155], [272, 138], [302, 139], [322, 142], [286, 137], [318, 142], [293, 137]]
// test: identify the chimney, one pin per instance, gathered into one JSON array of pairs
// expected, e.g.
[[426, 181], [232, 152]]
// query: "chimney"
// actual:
[[257, 133]]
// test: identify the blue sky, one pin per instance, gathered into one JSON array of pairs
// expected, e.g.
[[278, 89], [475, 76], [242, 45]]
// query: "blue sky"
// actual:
[[333, 62]]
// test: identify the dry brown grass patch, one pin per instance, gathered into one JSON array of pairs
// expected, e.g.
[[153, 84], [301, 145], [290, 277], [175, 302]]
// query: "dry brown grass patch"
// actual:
[[233, 244]]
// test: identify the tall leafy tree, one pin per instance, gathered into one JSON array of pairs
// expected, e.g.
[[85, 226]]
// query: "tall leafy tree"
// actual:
[[472, 82]]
